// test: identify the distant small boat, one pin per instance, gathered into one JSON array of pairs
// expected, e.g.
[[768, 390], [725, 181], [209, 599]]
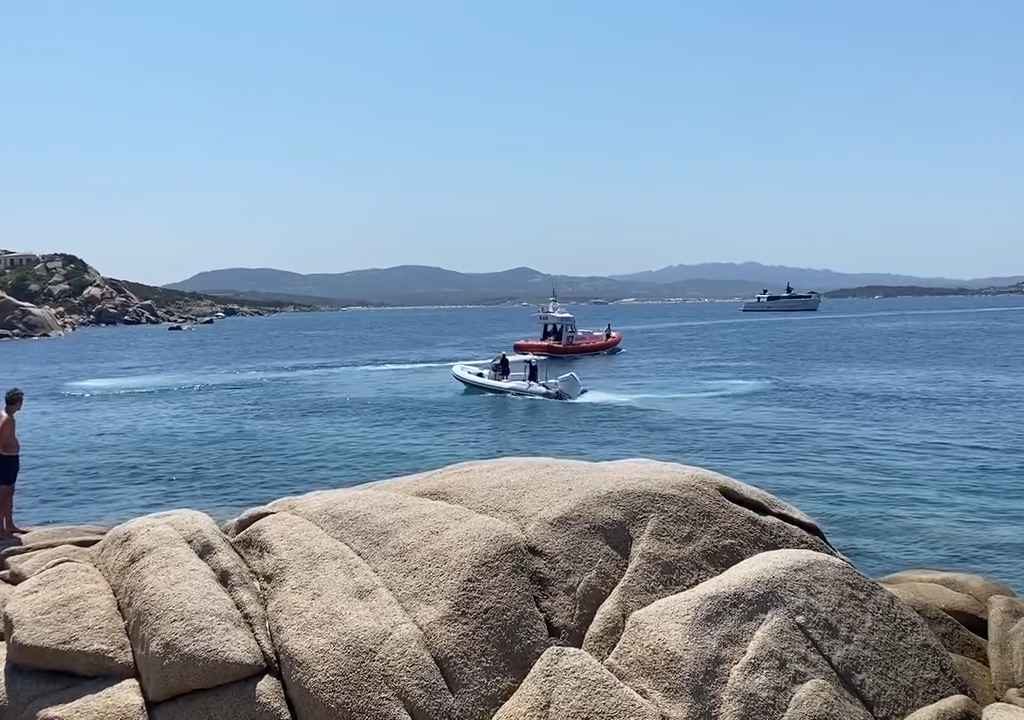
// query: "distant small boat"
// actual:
[[788, 301], [483, 376]]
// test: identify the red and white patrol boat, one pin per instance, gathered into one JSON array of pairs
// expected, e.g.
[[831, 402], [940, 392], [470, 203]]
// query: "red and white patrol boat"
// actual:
[[560, 338]]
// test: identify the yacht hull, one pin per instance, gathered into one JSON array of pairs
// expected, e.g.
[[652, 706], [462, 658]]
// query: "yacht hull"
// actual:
[[784, 305]]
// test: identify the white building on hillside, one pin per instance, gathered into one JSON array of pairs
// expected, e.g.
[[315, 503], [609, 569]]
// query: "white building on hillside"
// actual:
[[12, 261]]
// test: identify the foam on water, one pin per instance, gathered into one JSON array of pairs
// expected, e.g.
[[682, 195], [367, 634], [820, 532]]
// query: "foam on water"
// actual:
[[706, 389]]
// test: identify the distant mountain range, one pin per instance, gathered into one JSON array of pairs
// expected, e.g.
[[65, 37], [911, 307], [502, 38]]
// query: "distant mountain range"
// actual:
[[422, 285]]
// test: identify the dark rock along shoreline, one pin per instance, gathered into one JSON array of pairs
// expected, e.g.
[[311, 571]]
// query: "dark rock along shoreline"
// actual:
[[514, 589]]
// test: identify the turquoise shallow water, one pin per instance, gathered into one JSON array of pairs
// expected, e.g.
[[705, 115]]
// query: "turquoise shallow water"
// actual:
[[897, 424]]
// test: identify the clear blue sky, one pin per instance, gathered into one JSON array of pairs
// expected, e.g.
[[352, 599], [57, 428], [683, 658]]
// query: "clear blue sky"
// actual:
[[585, 137]]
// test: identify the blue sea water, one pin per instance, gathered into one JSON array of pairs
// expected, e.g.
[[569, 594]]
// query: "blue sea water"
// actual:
[[897, 424]]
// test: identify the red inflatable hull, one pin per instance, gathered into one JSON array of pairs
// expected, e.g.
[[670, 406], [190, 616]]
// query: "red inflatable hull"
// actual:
[[580, 347]]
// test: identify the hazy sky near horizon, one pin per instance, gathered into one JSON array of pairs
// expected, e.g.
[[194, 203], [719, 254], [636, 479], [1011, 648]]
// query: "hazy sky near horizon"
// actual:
[[574, 137]]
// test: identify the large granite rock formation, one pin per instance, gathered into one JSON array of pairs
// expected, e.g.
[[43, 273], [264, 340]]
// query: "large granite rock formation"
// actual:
[[62, 292], [515, 589], [22, 319]]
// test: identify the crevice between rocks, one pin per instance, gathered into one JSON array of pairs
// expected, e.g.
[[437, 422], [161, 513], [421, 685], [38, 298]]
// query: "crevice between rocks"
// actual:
[[271, 663], [626, 551], [408, 616], [850, 687], [759, 508]]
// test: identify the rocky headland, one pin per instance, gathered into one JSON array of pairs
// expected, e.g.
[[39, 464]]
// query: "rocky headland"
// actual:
[[512, 589], [62, 292]]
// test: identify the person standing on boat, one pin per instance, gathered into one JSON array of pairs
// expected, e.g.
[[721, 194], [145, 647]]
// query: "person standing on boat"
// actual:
[[608, 332], [10, 463], [533, 371], [789, 289], [503, 367]]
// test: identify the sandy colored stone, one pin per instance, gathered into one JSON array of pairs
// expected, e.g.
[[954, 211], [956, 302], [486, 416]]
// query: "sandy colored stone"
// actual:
[[26, 548], [37, 695], [979, 587], [1002, 711], [119, 702], [1014, 696], [570, 684], [954, 637], [65, 619], [957, 707], [257, 698], [741, 644], [27, 318], [185, 630], [821, 700], [62, 533], [977, 676], [346, 646], [965, 609], [6, 590], [25, 565], [606, 539], [211, 546], [1006, 642]]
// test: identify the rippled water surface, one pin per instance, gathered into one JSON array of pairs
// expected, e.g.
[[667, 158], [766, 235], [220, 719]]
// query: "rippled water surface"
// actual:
[[897, 424]]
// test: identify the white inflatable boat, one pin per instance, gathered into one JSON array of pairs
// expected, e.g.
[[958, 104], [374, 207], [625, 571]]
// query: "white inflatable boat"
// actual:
[[486, 376]]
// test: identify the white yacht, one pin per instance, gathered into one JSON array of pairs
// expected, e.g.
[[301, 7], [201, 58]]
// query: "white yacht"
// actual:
[[788, 301]]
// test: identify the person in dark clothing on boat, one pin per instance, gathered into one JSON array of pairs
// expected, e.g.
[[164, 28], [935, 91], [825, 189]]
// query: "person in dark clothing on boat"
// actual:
[[608, 332], [533, 374], [789, 289], [504, 367]]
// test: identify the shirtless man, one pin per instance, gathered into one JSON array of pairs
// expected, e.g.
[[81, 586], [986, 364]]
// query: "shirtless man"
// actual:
[[9, 461]]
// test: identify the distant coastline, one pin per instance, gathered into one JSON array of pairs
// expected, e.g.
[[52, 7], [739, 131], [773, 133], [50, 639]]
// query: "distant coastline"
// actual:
[[423, 286], [891, 291]]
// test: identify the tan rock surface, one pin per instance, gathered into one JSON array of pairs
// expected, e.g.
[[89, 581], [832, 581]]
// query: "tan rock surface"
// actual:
[[955, 637], [118, 702], [257, 698], [821, 700], [66, 620], [606, 539], [345, 645], [979, 587], [185, 630], [1003, 711], [62, 533], [965, 609], [206, 540], [804, 616], [570, 684], [25, 565], [36, 695], [957, 707], [1006, 642], [977, 676]]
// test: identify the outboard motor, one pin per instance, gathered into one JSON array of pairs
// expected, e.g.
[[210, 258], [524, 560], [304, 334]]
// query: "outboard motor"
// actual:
[[569, 386]]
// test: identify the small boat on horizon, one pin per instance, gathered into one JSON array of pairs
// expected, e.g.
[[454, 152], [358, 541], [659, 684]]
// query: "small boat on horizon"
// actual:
[[560, 337], [788, 301], [487, 377]]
